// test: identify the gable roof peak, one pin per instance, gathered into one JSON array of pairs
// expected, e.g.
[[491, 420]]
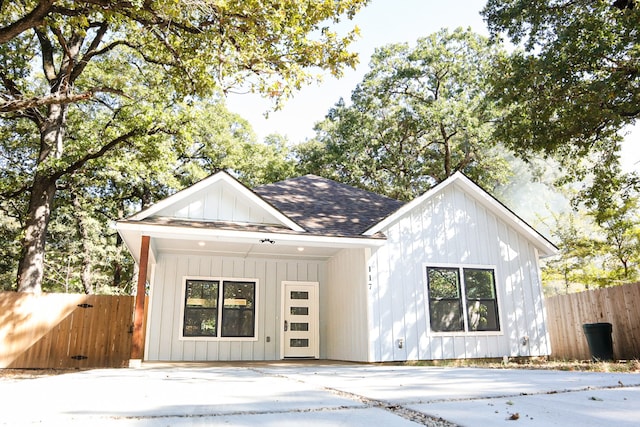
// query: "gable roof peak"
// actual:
[[200, 189], [461, 181]]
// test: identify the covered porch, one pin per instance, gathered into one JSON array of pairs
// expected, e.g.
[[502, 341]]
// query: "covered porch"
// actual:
[[301, 295]]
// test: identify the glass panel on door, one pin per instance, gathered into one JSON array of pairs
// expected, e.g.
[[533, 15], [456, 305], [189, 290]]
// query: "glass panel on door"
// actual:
[[300, 311]]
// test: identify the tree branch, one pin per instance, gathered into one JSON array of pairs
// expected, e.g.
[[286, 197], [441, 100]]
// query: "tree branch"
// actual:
[[48, 65], [56, 98], [105, 148], [30, 113], [33, 19], [91, 51]]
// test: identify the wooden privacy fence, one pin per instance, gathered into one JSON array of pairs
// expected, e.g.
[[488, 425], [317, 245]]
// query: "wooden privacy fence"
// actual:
[[619, 305], [64, 330]]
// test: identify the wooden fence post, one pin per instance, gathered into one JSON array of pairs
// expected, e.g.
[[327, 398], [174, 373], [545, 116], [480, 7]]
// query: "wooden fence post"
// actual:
[[137, 352]]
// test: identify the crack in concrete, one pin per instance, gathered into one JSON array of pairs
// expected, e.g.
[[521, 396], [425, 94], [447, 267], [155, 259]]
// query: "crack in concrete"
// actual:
[[232, 413], [396, 409], [512, 395]]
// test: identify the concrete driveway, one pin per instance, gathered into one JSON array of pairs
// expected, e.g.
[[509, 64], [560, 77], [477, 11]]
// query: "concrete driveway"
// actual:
[[294, 394]]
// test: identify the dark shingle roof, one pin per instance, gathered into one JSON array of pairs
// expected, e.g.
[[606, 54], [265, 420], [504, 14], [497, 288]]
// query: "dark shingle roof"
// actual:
[[323, 206]]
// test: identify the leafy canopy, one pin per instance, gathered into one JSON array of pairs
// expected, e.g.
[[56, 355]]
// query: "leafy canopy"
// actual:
[[269, 46], [420, 114], [576, 83]]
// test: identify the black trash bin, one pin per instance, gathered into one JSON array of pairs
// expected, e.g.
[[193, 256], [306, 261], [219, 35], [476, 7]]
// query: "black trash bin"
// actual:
[[599, 340]]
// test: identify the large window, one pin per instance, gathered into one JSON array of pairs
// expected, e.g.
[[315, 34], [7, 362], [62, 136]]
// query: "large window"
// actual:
[[462, 299], [219, 308]]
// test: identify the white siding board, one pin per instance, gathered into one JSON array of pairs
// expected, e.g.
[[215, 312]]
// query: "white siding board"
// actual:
[[419, 293], [375, 329], [386, 307], [515, 269], [344, 307], [280, 276], [398, 312], [528, 304], [386, 322], [169, 315], [510, 310], [460, 226], [227, 203], [247, 348], [274, 294], [537, 326], [153, 339], [451, 236], [177, 346]]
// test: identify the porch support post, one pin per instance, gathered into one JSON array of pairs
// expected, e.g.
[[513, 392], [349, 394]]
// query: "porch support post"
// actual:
[[137, 350]]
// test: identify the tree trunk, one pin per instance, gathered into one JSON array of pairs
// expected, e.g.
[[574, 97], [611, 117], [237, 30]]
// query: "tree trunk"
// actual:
[[31, 265], [43, 191]]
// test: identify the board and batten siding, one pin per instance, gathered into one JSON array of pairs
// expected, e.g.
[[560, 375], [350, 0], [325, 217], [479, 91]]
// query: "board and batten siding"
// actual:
[[343, 307], [453, 228], [218, 203], [164, 324]]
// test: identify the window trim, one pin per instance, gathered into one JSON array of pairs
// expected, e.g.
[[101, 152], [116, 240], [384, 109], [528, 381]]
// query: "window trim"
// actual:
[[221, 279], [463, 296]]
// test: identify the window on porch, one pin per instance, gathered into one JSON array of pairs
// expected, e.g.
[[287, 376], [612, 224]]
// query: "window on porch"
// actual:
[[219, 308]]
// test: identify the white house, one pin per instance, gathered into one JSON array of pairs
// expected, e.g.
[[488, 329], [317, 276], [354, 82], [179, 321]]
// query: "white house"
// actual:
[[311, 268]]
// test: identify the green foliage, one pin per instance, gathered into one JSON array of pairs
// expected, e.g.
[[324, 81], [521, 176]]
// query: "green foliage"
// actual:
[[418, 116], [577, 266], [597, 248], [576, 83]]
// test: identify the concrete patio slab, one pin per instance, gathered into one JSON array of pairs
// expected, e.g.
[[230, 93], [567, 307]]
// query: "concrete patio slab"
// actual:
[[320, 395]]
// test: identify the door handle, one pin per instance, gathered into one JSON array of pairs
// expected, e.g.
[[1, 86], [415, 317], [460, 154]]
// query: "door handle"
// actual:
[[286, 326]]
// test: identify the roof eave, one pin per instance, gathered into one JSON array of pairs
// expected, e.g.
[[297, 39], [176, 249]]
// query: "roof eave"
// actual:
[[131, 232]]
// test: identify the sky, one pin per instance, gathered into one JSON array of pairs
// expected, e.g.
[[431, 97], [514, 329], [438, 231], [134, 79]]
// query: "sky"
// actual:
[[381, 22]]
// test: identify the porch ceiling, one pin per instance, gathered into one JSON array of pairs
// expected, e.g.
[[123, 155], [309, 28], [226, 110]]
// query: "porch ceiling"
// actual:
[[254, 248]]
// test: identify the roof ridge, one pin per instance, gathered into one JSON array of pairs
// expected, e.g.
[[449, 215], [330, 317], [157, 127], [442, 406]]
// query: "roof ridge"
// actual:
[[311, 175]]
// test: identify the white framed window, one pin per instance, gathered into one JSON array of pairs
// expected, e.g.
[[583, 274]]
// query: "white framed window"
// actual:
[[462, 299], [219, 308]]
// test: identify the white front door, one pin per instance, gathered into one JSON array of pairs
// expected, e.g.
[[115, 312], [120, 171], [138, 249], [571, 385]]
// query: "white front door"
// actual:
[[300, 320]]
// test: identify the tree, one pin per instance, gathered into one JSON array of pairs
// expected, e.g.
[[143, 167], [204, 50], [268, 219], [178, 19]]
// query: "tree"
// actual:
[[418, 116], [576, 83], [84, 252], [129, 63], [598, 246], [576, 266], [621, 229]]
